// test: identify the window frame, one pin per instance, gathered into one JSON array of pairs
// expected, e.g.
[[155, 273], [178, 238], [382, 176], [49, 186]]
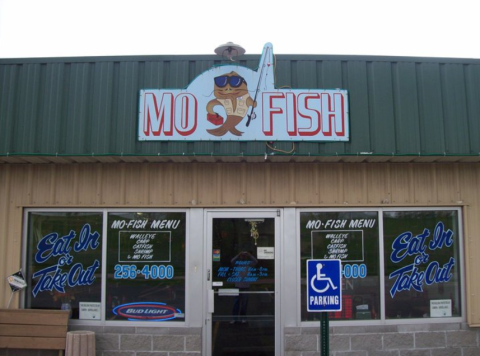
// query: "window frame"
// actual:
[[383, 320], [105, 212]]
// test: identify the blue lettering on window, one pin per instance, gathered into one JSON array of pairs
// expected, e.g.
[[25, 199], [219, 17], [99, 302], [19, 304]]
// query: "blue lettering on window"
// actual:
[[411, 276], [58, 276]]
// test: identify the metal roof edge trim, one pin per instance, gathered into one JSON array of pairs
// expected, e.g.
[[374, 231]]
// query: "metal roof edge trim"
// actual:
[[211, 154], [291, 57]]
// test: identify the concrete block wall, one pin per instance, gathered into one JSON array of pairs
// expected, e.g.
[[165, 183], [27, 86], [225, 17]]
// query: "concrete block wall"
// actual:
[[452, 339], [146, 341]]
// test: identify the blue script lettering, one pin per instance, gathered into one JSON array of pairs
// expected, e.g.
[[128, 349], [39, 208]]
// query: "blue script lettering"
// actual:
[[50, 278], [54, 278], [86, 239], [82, 277], [407, 277], [407, 245], [410, 277], [52, 245], [437, 274], [441, 237]]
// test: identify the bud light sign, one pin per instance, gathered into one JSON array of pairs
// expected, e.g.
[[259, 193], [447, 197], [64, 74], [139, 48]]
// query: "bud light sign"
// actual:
[[148, 311]]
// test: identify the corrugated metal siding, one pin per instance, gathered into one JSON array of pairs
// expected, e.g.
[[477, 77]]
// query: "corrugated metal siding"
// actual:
[[240, 185], [88, 106]]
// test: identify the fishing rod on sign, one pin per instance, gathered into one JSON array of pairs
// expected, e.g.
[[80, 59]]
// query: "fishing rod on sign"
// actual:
[[252, 114]]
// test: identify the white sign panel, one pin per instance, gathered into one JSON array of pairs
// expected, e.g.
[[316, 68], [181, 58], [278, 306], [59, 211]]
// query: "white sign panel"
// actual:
[[440, 308], [232, 102], [89, 311], [17, 281], [324, 285], [265, 253]]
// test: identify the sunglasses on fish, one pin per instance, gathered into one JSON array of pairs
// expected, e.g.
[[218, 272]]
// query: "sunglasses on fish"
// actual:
[[235, 81]]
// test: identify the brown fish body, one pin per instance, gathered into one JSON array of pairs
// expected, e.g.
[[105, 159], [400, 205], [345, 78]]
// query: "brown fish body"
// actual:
[[235, 101]]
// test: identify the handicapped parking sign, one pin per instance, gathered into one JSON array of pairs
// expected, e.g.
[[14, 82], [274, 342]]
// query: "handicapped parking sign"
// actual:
[[324, 285]]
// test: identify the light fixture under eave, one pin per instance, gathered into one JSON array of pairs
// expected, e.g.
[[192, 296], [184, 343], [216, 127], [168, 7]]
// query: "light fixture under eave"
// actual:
[[230, 50]]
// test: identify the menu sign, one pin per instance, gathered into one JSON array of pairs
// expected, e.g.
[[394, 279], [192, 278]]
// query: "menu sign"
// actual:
[[348, 236], [146, 264], [345, 245], [151, 246]]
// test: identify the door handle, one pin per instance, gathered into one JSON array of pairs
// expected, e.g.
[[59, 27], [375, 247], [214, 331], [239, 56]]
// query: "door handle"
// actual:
[[208, 275]]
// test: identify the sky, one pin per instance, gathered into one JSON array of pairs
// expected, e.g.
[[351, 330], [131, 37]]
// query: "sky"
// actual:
[[72, 28]]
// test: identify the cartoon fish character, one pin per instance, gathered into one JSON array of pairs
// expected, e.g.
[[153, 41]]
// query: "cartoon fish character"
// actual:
[[231, 92]]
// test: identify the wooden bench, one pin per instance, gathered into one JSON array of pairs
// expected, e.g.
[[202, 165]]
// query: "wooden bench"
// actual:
[[33, 329]]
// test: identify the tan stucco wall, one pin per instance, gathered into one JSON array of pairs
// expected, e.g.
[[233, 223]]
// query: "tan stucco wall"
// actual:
[[240, 185]]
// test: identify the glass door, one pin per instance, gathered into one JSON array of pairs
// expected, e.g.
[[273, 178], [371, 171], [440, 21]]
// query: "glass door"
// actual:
[[241, 284]]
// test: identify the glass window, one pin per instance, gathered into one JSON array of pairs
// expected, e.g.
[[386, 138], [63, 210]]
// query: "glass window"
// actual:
[[419, 264], [64, 260], [146, 266], [352, 237], [422, 264]]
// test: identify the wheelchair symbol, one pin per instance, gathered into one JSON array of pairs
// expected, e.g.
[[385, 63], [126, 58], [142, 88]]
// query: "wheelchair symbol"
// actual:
[[321, 277]]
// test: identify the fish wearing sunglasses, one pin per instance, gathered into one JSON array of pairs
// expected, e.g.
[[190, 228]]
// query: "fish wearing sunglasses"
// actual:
[[235, 81]]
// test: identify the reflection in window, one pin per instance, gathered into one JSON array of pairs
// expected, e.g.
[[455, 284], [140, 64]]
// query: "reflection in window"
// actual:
[[64, 254], [421, 261], [353, 238], [146, 266], [422, 265]]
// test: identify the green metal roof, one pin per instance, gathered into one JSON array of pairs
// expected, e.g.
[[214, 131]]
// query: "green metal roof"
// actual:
[[81, 109]]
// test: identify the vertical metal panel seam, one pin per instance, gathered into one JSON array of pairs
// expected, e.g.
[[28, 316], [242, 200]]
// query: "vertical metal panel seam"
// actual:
[[146, 184], [444, 104], [123, 186], [457, 182], [115, 99], [75, 185], [394, 79], [195, 183], [364, 174], [8, 98], [294, 74], [65, 104], [5, 209], [389, 183], [89, 101], [191, 71], [218, 185], [319, 73], [371, 112], [268, 183], [244, 189], [291, 183], [344, 69], [42, 91], [342, 197], [53, 183], [29, 189], [467, 105], [99, 175], [420, 98], [173, 182]]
